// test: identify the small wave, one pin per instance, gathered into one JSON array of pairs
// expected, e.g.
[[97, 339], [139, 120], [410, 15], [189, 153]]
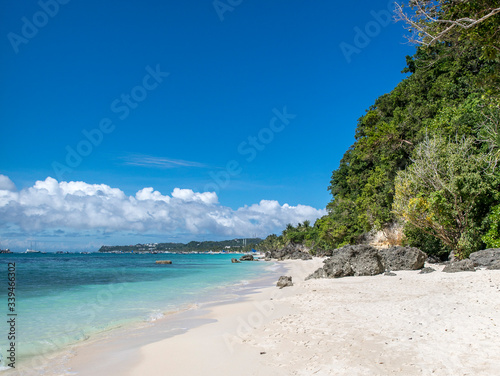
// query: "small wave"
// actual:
[[272, 267], [157, 315]]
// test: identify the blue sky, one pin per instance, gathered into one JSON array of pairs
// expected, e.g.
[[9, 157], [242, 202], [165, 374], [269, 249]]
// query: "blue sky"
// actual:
[[179, 94]]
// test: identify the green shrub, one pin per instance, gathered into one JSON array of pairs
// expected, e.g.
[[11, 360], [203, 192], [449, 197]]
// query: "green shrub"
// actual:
[[415, 237], [492, 237]]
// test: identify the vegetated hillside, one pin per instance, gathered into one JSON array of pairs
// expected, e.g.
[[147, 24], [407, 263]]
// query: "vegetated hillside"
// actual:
[[444, 95], [449, 102], [238, 245]]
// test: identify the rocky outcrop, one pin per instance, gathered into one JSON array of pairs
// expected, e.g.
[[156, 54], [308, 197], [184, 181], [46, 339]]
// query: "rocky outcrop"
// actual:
[[168, 262], [324, 252], [351, 260], [247, 258], [494, 266], [235, 261], [460, 266], [284, 281], [485, 258], [402, 258], [291, 251]]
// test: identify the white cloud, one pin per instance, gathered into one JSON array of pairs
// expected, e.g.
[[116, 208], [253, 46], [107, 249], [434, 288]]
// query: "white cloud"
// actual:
[[50, 204], [158, 162], [6, 184]]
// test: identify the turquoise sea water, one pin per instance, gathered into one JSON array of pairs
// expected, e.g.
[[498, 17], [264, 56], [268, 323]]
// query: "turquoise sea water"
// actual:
[[65, 298]]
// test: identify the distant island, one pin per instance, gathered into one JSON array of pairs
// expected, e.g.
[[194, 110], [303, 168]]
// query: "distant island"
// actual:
[[234, 245]]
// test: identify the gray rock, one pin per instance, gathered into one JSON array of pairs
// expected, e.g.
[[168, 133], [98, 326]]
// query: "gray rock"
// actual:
[[485, 258], [402, 258], [434, 260], [235, 261], [390, 274], [460, 266], [292, 251], [284, 281], [324, 252], [427, 270], [168, 262], [351, 260], [494, 266], [246, 258]]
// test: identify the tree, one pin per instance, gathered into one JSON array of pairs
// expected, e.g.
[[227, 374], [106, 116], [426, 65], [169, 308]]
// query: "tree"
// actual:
[[434, 21], [492, 236], [489, 129], [444, 97], [447, 192], [272, 242]]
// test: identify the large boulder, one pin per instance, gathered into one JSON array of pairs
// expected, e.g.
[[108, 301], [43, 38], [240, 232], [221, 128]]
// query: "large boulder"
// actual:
[[494, 266], [292, 251], [485, 258], [351, 260], [402, 258], [284, 281], [246, 258], [460, 266]]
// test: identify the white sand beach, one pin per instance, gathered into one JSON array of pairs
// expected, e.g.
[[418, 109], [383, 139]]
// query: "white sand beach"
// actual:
[[409, 324]]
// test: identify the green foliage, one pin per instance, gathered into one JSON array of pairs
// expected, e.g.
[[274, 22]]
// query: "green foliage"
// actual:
[[492, 236], [443, 96], [303, 233], [451, 92], [445, 21], [447, 192], [426, 241], [272, 242]]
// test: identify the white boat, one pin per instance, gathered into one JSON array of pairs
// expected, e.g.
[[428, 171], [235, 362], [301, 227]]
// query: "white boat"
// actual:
[[31, 250]]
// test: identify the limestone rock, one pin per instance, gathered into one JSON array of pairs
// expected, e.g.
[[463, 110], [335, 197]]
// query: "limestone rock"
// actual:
[[246, 258], [292, 251], [402, 258], [324, 252], [494, 266], [485, 258], [351, 260], [284, 281], [460, 266]]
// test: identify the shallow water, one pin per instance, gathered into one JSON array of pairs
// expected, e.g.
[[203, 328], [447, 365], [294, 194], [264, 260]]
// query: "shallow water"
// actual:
[[62, 299]]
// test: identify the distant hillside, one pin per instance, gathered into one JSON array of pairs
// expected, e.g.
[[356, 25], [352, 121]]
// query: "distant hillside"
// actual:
[[239, 245]]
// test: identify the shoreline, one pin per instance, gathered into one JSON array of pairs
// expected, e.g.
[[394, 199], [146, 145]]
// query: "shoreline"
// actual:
[[117, 347], [408, 324], [226, 346], [412, 324]]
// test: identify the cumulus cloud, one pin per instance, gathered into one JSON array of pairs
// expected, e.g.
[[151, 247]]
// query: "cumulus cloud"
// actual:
[[6, 184], [50, 204]]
